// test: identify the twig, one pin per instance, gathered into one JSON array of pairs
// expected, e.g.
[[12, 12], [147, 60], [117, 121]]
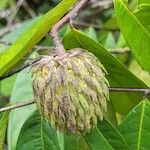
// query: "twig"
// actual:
[[144, 91], [14, 12], [25, 103], [28, 9], [10, 16], [120, 50], [18, 105], [19, 69], [59, 48]]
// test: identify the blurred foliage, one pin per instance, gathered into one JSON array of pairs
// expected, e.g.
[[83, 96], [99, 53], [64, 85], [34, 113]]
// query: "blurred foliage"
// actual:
[[100, 26]]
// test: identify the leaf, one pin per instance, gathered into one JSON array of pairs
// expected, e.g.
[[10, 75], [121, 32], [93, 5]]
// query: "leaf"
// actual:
[[3, 128], [140, 73], [96, 140], [22, 91], [36, 133], [118, 74], [137, 37], [143, 14], [143, 1], [91, 33], [111, 24], [136, 127], [105, 137], [83, 145], [71, 142], [60, 140], [6, 85], [110, 41], [32, 36], [121, 42], [113, 136]]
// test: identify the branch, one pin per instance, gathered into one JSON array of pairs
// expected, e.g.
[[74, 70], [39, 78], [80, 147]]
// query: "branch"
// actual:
[[10, 16], [25, 103], [14, 12], [120, 50], [59, 48], [18, 105], [28, 9], [19, 69], [144, 91]]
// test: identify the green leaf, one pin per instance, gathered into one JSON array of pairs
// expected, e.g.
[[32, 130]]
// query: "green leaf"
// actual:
[[3, 128], [136, 127], [121, 42], [32, 36], [22, 91], [6, 85], [143, 1], [143, 15], [111, 24], [91, 33], [113, 136], [83, 145], [137, 37], [110, 41], [37, 134], [97, 141], [71, 142], [140, 73], [118, 74]]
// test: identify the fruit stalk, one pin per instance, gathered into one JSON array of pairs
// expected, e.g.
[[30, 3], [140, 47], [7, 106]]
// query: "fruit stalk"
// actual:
[[59, 48]]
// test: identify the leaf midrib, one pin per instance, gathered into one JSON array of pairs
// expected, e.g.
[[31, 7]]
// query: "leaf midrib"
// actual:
[[135, 18], [140, 127], [41, 129]]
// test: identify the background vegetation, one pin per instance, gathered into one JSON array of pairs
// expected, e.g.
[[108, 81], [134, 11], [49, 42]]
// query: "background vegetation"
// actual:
[[118, 35]]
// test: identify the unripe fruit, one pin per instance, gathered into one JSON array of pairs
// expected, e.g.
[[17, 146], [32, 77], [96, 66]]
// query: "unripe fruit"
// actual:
[[71, 91]]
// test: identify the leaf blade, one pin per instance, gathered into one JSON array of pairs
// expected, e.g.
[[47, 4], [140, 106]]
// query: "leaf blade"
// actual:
[[134, 31], [22, 91], [37, 133], [96, 140], [112, 134], [3, 128], [135, 127]]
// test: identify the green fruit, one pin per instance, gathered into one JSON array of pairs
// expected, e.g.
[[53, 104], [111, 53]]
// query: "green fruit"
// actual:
[[71, 91]]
